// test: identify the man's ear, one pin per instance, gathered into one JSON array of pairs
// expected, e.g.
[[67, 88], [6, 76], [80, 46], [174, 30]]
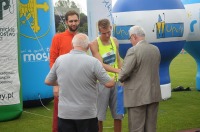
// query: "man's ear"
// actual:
[[88, 47], [66, 22]]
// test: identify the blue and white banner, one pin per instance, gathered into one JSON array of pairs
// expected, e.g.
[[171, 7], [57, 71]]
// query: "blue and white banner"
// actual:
[[9, 76], [160, 25], [96, 10]]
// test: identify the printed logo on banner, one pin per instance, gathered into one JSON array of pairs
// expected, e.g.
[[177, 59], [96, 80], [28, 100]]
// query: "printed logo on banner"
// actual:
[[29, 14], [168, 30], [121, 32], [5, 5], [33, 28], [163, 30], [6, 31], [194, 22]]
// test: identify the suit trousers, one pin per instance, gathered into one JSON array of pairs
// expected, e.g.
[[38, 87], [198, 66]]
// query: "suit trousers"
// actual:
[[143, 118]]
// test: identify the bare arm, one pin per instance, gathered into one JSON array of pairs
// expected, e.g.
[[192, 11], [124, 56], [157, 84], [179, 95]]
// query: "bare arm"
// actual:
[[110, 84], [50, 83], [95, 52], [117, 52], [54, 53]]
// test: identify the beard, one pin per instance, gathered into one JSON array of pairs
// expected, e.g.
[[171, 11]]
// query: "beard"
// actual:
[[73, 29]]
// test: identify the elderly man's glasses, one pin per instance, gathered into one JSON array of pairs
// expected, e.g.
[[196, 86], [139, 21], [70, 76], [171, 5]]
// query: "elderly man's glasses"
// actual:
[[130, 36]]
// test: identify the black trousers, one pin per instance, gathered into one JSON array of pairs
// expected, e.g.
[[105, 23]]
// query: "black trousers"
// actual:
[[84, 125]]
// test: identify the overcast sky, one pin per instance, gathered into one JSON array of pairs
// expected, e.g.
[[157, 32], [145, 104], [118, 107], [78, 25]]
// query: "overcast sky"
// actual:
[[83, 4]]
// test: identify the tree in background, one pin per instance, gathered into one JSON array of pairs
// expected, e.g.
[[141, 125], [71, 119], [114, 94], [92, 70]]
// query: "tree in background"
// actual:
[[61, 7], [83, 24]]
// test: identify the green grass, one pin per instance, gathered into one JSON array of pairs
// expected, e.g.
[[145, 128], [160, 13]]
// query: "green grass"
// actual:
[[36, 119], [181, 111], [183, 71]]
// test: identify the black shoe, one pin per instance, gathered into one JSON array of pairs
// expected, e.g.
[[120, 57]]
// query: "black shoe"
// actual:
[[188, 89], [179, 88]]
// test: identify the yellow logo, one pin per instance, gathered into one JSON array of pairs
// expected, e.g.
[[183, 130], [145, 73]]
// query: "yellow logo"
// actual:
[[30, 11]]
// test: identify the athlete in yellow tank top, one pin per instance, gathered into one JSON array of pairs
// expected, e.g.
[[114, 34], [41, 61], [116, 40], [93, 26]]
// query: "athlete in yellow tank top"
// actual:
[[109, 54], [105, 49]]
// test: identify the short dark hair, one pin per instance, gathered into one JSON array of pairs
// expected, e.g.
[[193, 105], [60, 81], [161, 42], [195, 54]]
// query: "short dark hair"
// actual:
[[70, 13], [103, 23]]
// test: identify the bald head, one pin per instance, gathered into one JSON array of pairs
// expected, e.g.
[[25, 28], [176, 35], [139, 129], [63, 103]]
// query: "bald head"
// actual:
[[80, 40]]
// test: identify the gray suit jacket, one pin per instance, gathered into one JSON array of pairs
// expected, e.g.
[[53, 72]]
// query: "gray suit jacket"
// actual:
[[140, 74]]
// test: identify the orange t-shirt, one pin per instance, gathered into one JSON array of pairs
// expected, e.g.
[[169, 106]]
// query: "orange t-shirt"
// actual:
[[61, 44]]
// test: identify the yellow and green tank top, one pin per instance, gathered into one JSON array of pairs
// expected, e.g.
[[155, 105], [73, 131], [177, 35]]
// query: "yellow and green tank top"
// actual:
[[109, 54]]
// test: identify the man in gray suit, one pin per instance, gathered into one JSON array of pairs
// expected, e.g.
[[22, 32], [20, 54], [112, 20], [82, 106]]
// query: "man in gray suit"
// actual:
[[140, 75]]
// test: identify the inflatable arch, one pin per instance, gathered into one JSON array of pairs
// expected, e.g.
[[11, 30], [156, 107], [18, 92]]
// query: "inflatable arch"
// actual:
[[164, 29], [192, 45]]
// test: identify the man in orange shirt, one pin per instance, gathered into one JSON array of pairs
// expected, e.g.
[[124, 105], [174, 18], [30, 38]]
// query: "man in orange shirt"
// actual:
[[62, 44]]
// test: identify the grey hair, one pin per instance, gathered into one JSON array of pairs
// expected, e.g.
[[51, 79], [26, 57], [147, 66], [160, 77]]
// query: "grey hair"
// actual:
[[81, 40], [137, 30]]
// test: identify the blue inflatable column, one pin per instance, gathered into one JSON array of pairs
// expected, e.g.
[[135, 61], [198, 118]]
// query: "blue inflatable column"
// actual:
[[163, 29], [192, 45], [37, 27]]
